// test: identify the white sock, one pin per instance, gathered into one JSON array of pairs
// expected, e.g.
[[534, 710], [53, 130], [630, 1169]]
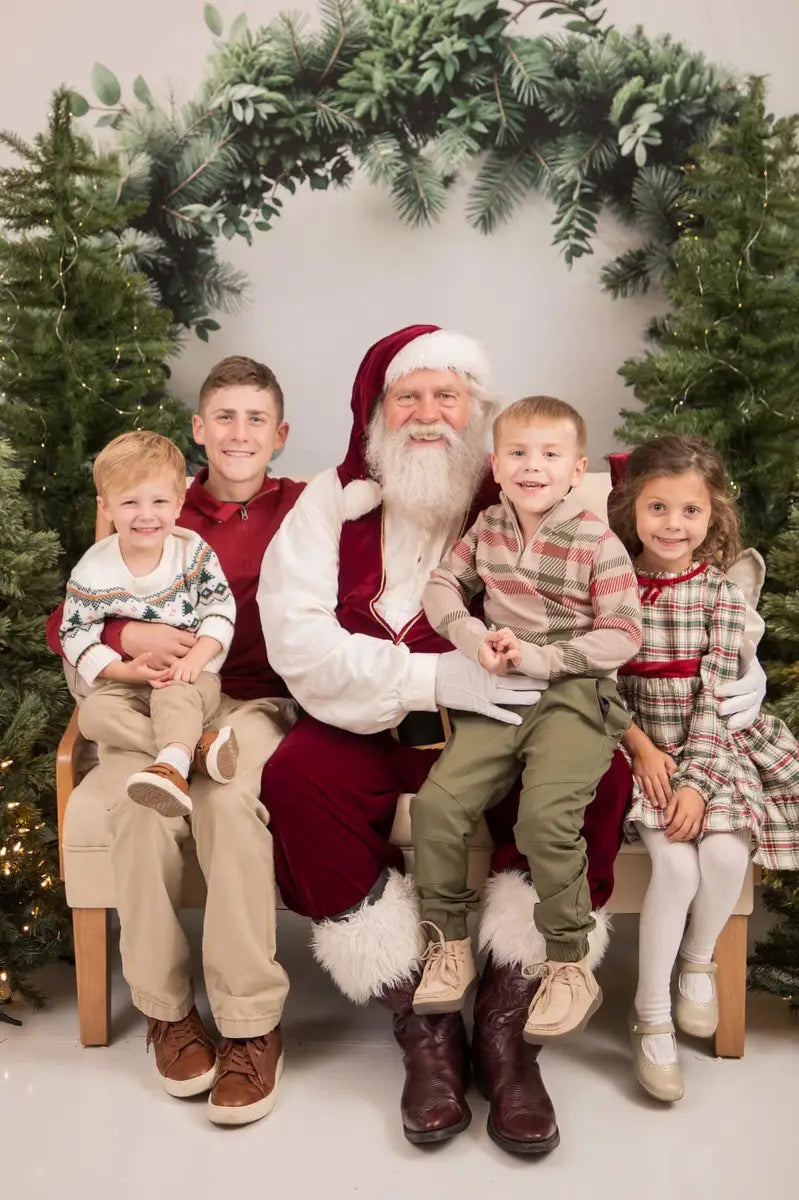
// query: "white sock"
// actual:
[[178, 759], [723, 859], [660, 1048], [675, 879]]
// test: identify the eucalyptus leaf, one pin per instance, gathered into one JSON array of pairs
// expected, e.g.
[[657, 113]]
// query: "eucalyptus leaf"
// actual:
[[78, 105], [106, 85], [213, 19], [142, 92]]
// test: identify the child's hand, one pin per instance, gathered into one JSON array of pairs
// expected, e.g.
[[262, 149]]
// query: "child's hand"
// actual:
[[139, 670], [185, 670], [685, 813], [499, 651], [652, 769]]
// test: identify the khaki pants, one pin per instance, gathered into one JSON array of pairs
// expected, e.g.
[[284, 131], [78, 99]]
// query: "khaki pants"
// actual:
[[246, 985], [562, 748], [179, 713]]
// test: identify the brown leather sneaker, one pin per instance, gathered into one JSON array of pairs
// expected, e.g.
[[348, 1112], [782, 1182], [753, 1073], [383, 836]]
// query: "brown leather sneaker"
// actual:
[[216, 754], [160, 787], [184, 1054], [248, 1071]]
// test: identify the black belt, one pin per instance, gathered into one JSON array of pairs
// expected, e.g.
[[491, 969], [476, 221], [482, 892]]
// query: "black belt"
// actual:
[[423, 730]]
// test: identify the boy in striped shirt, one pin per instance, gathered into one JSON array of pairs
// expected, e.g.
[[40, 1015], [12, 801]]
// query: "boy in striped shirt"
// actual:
[[561, 605]]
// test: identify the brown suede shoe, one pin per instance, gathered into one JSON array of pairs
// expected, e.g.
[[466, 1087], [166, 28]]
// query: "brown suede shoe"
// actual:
[[248, 1071], [160, 787], [216, 754], [184, 1054]]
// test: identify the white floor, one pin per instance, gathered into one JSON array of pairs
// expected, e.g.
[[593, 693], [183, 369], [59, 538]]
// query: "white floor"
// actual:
[[85, 1123]]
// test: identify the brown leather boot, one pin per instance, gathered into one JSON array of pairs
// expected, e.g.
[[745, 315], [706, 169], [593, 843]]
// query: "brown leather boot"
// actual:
[[184, 1054], [521, 1119], [248, 1072], [436, 1057]]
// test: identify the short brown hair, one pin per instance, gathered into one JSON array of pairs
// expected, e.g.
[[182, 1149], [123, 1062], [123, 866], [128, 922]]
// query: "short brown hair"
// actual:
[[676, 454], [542, 408], [239, 371], [133, 457]]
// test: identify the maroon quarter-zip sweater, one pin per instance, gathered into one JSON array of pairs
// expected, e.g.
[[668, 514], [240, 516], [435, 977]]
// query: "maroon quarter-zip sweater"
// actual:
[[238, 533]]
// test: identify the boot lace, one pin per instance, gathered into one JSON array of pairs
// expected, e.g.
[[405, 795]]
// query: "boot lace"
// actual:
[[440, 958]]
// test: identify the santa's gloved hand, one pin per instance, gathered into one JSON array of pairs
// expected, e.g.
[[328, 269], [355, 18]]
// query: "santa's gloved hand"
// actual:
[[745, 697], [463, 684]]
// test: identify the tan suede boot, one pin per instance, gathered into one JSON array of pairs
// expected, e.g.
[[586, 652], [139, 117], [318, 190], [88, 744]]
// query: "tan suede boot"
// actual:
[[448, 978], [565, 1002]]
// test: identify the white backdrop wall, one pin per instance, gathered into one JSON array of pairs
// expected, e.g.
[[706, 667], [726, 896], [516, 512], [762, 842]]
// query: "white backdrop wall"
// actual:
[[339, 270]]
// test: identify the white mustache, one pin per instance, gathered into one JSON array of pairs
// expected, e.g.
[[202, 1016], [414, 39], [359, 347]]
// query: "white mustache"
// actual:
[[418, 431]]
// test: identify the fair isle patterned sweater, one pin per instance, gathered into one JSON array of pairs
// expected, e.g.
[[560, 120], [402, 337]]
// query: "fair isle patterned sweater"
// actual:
[[186, 590], [570, 595]]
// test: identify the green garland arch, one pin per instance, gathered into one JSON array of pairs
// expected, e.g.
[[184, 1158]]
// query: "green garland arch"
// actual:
[[411, 92]]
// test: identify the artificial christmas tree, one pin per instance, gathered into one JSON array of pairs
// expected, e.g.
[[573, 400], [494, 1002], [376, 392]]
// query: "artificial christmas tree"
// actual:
[[34, 704], [726, 358], [82, 344]]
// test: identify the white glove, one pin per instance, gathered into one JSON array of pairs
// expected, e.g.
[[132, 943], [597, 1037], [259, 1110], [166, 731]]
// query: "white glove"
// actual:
[[465, 685], [746, 696]]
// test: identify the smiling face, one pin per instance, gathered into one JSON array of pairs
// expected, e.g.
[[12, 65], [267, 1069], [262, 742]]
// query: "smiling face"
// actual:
[[672, 515], [424, 400], [143, 514], [239, 427], [536, 464]]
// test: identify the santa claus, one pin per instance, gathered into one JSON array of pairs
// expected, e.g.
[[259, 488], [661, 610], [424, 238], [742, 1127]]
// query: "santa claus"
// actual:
[[340, 600]]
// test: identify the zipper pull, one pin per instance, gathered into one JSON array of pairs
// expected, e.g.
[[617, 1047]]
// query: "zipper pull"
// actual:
[[243, 512]]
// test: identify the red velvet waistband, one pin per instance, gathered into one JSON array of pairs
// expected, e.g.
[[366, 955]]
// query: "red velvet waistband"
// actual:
[[678, 668]]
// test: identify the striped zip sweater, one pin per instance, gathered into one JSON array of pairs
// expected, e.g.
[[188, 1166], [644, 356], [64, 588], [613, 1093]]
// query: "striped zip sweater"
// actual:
[[570, 595]]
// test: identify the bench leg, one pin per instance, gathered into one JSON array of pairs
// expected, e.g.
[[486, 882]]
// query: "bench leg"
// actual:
[[731, 987], [90, 927]]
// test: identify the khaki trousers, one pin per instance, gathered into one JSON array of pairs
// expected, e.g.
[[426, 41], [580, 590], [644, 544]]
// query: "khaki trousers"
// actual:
[[562, 749], [179, 713], [246, 986]]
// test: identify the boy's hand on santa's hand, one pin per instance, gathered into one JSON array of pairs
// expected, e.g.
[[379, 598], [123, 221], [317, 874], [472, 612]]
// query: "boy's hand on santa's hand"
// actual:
[[685, 813], [652, 769], [507, 645], [490, 657]]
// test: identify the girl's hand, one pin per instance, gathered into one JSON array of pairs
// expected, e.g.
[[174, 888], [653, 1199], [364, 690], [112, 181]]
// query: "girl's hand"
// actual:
[[685, 813], [652, 770]]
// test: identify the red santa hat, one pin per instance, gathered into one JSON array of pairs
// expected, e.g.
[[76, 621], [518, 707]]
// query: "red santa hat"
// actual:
[[414, 348]]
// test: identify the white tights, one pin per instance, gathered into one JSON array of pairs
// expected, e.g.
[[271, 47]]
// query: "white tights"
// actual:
[[706, 878]]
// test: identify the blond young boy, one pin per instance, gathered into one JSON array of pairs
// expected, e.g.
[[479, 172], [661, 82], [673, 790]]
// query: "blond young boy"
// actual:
[[561, 605], [152, 570]]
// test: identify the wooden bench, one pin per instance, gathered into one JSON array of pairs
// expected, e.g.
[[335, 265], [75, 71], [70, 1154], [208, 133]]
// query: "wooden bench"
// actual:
[[84, 843]]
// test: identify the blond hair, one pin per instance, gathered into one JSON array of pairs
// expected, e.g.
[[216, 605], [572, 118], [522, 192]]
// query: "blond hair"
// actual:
[[133, 457], [675, 454], [542, 408]]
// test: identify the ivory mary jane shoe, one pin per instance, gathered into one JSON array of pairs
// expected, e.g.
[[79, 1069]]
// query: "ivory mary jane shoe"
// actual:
[[661, 1082], [697, 1020]]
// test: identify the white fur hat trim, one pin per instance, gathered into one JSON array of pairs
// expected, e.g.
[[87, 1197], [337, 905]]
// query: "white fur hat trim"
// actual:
[[441, 350]]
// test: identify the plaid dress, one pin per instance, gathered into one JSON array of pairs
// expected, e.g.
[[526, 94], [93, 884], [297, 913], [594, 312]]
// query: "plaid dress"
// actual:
[[693, 628]]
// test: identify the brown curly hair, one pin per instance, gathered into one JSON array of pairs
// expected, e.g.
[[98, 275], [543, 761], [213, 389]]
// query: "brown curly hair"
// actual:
[[675, 454]]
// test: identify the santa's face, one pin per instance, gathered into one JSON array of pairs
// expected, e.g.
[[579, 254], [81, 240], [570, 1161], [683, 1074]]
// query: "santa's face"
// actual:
[[536, 465], [427, 398], [426, 446]]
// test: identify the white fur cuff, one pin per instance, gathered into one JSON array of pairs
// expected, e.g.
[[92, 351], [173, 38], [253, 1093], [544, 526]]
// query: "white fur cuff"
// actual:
[[377, 946], [508, 931]]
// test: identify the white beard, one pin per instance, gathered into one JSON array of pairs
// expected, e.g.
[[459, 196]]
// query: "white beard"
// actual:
[[432, 485]]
